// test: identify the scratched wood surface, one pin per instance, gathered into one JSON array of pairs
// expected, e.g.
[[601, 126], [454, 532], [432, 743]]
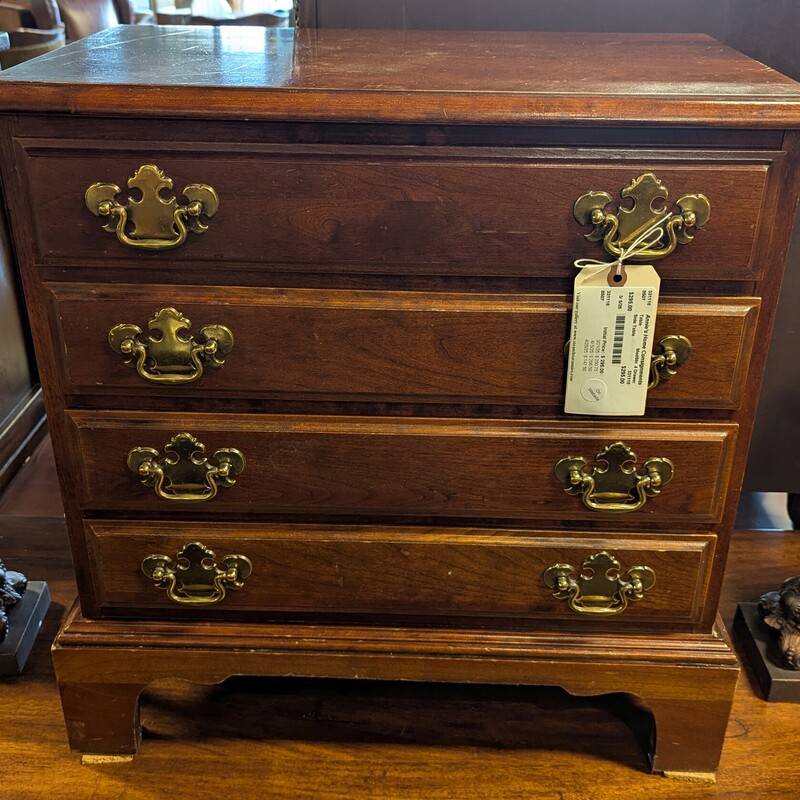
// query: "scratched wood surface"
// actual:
[[319, 739], [383, 209], [371, 345], [520, 77], [312, 464], [476, 576]]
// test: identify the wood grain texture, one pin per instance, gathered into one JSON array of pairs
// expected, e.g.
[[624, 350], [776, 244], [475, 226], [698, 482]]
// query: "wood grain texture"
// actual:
[[450, 211], [314, 572], [335, 190], [389, 466], [386, 346], [409, 76], [347, 740], [690, 704], [102, 667]]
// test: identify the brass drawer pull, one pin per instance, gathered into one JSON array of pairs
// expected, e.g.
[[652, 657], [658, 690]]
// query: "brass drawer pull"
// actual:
[[619, 229], [675, 351], [153, 222], [184, 473], [615, 487], [168, 356], [600, 588], [196, 579]]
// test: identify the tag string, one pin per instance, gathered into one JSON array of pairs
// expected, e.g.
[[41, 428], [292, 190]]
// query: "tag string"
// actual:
[[643, 241]]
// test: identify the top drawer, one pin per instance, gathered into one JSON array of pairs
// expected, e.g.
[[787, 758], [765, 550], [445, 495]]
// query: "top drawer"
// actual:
[[382, 209]]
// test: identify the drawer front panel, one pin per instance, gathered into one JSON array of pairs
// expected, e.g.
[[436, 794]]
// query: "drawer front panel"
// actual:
[[317, 571], [385, 346], [427, 210], [390, 466]]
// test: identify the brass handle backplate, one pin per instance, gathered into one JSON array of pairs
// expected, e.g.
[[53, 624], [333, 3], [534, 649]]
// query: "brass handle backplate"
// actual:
[[168, 355], [615, 487], [183, 473], [599, 588], [153, 222], [196, 579], [619, 229], [675, 351]]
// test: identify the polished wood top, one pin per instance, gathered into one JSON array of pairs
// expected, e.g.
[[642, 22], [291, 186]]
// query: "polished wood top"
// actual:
[[406, 76]]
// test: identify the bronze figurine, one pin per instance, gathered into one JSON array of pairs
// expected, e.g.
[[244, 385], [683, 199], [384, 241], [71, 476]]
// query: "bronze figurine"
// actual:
[[781, 610], [12, 587]]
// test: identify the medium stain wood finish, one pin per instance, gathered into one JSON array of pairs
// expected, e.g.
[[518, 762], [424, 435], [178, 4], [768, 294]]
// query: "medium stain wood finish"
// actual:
[[393, 251], [313, 572], [690, 701], [403, 466], [435, 210], [388, 346], [348, 740], [452, 78]]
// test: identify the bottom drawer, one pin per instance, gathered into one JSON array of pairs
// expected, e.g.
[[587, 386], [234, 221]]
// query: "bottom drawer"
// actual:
[[314, 572]]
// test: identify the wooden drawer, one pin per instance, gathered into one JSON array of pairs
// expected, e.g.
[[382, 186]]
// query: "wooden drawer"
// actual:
[[468, 210], [317, 571], [395, 466], [386, 346]]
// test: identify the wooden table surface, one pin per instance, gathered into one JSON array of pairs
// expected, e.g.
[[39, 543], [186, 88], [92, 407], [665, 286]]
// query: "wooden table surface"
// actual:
[[320, 739], [440, 77]]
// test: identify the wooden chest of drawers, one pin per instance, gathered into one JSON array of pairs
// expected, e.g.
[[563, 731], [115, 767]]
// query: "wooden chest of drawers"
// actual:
[[305, 370]]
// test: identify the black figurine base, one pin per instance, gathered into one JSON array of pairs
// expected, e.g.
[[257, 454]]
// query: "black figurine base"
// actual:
[[760, 642], [25, 619]]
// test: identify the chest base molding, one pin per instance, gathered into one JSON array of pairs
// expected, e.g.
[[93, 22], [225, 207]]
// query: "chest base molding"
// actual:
[[686, 680]]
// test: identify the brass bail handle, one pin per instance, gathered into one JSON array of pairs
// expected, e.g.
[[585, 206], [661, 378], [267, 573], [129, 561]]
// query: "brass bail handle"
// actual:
[[600, 587], [196, 579], [183, 473], [169, 354], [154, 222], [618, 229], [615, 487], [675, 352]]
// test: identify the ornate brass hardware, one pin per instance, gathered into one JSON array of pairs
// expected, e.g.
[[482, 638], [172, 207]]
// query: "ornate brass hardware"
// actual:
[[169, 357], [155, 222], [619, 229], [183, 473], [675, 350], [615, 487], [600, 588], [196, 579]]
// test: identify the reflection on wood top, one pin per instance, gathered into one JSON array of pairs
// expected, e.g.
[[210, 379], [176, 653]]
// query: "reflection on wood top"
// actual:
[[406, 76]]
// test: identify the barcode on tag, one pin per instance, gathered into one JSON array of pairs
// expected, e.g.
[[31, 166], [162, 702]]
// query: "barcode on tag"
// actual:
[[611, 343], [619, 337]]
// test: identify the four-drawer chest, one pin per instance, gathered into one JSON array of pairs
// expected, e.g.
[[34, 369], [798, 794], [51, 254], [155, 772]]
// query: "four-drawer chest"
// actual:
[[300, 303]]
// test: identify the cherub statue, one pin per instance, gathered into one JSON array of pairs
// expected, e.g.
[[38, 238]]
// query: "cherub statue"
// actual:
[[12, 587], [781, 610]]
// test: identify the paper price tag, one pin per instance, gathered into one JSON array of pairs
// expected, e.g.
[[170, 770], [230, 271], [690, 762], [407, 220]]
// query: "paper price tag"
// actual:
[[611, 342]]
